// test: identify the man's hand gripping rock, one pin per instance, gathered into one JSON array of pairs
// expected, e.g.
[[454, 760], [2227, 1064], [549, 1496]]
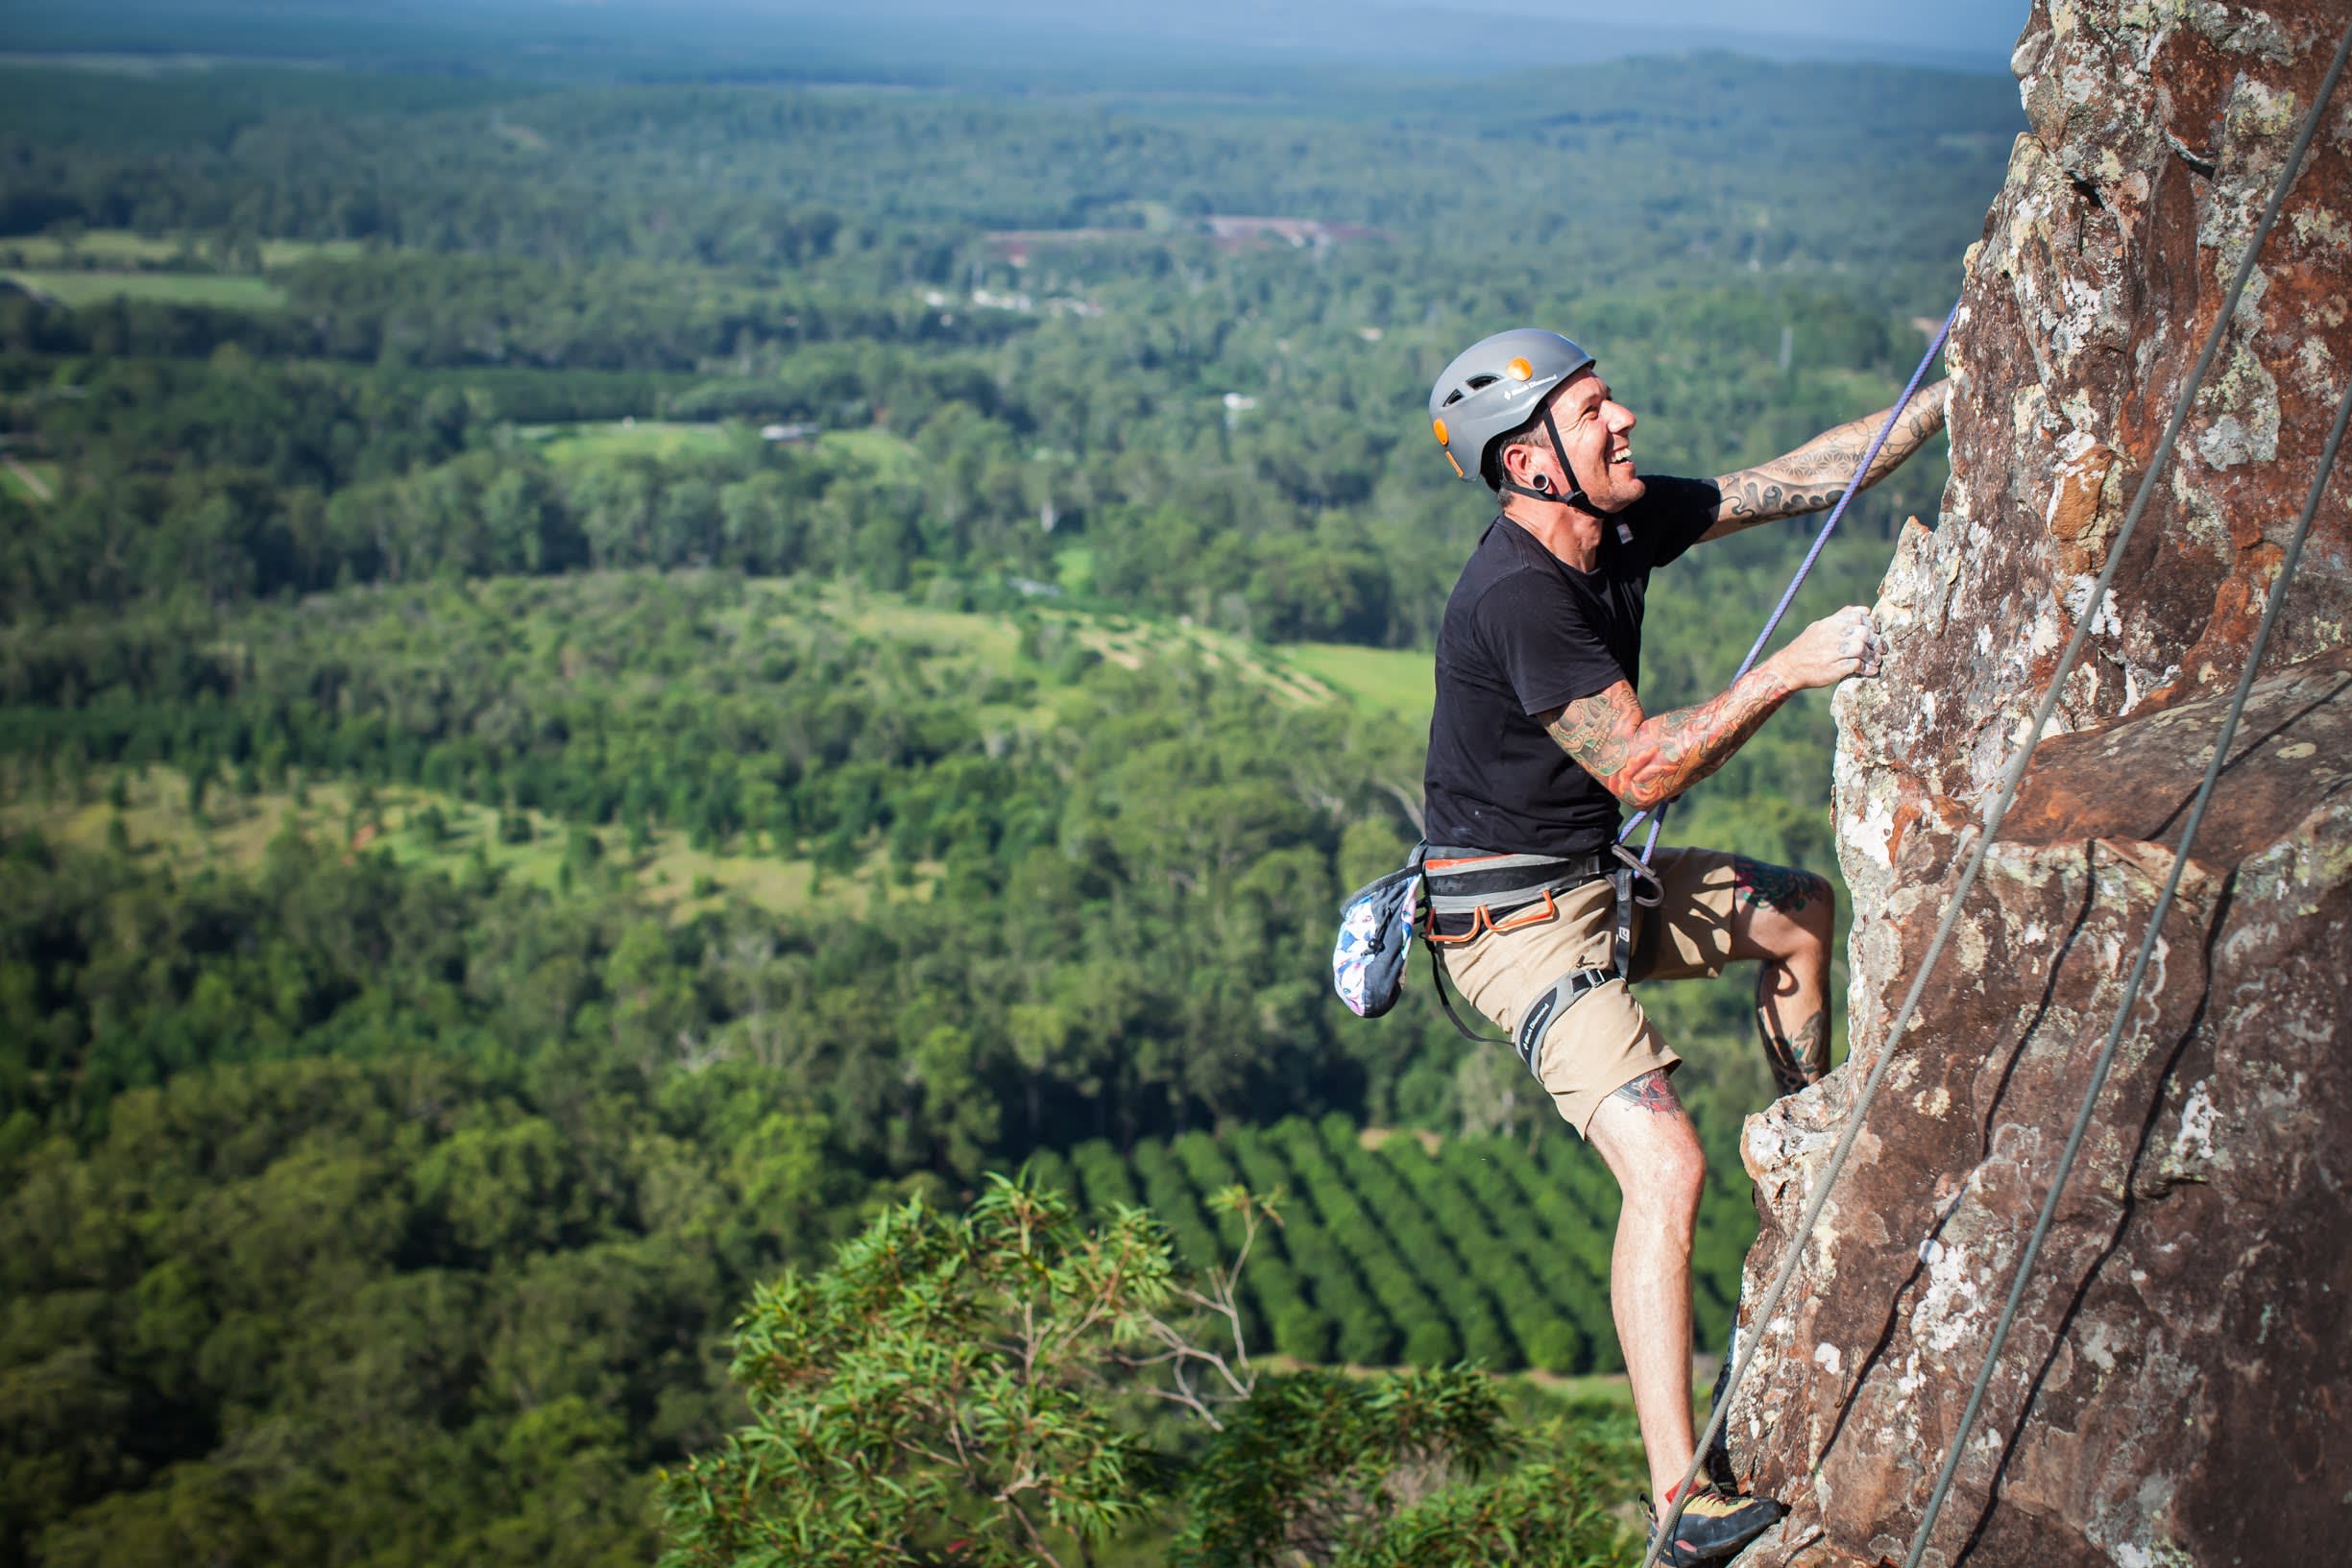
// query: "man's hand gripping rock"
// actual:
[[1830, 650]]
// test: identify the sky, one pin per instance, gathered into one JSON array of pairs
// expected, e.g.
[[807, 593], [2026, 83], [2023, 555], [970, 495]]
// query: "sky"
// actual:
[[1982, 27], [1976, 34], [1449, 38]]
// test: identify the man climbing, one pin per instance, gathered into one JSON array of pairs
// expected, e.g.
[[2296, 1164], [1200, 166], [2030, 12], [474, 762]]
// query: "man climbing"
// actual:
[[1538, 738]]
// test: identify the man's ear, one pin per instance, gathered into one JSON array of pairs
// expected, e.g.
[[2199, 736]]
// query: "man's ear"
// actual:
[[1519, 463]]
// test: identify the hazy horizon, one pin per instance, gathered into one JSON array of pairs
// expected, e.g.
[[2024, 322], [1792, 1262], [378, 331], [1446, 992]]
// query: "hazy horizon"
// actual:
[[1049, 39]]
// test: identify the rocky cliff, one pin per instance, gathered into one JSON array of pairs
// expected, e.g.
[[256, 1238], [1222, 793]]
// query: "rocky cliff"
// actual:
[[2174, 1391]]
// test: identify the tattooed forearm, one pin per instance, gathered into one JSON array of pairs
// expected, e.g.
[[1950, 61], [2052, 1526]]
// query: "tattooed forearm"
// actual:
[[1815, 474], [1646, 760], [1651, 1092]]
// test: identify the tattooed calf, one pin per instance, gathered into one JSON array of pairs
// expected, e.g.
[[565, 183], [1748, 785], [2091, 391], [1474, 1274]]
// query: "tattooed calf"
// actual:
[[1812, 1044], [1760, 886], [1795, 1060]]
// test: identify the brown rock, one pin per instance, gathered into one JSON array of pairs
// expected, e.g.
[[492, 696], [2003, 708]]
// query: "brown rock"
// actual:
[[2174, 1392]]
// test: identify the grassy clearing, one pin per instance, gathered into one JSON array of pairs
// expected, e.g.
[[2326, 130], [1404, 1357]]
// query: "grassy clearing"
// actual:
[[892, 458], [989, 644], [960, 650], [664, 439], [1392, 680], [887, 458], [76, 289], [234, 830], [26, 479], [521, 137], [1073, 569], [1134, 644], [122, 249]]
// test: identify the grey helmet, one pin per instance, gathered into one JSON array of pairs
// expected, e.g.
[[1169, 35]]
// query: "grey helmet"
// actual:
[[1492, 388]]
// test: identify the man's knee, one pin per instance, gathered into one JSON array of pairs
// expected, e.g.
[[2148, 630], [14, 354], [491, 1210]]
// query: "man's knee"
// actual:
[[1817, 915], [1790, 912], [1681, 1175], [1647, 1139]]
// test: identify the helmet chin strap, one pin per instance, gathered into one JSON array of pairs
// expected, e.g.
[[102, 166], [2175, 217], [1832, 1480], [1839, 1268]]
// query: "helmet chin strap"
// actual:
[[1542, 490]]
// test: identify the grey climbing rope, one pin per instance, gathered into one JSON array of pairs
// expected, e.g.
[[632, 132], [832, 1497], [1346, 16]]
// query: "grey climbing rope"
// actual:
[[2131, 986], [2007, 795]]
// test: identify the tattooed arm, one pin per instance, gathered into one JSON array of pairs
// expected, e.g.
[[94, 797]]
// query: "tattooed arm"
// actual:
[[1815, 474], [1644, 760]]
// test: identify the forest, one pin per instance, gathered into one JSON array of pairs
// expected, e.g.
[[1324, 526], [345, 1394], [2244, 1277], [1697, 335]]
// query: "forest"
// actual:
[[621, 700]]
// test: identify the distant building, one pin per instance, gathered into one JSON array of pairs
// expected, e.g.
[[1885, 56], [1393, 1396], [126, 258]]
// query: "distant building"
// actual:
[[1232, 230]]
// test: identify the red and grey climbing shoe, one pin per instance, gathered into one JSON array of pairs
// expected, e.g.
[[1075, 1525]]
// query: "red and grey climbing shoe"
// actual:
[[1715, 1523]]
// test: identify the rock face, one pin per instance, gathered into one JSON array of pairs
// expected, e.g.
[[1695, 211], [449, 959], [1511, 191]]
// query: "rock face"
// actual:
[[2174, 1391]]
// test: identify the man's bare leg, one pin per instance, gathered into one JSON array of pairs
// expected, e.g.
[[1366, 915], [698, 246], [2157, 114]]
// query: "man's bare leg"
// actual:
[[1782, 918], [1646, 1138]]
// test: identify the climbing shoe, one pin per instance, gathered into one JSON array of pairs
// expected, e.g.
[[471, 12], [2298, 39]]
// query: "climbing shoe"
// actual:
[[1713, 1526]]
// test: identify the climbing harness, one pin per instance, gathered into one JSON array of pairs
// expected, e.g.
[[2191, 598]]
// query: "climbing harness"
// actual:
[[1440, 885], [2012, 779], [1491, 892]]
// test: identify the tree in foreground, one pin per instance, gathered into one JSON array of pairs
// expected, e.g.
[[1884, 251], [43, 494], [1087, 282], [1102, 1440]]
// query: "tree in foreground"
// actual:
[[945, 1392], [1418, 1470], [967, 1390]]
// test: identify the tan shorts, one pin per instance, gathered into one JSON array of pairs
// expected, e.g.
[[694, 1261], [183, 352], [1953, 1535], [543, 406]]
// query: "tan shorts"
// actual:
[[1603, 1040]]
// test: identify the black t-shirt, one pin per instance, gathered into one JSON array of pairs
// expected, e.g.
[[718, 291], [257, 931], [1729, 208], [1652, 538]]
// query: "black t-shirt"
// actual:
[[1525, 632]]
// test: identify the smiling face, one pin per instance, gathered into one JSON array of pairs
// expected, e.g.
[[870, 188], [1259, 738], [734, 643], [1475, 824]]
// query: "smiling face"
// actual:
[[1597, 431]]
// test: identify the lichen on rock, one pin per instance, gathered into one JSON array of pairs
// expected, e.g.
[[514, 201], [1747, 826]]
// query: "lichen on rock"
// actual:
[[2177, 1354]]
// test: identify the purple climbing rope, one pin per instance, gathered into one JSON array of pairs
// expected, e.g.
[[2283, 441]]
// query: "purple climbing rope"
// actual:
[[1658, 817]]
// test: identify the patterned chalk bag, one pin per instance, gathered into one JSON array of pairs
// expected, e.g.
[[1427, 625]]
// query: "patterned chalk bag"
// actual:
[[1377, 925]]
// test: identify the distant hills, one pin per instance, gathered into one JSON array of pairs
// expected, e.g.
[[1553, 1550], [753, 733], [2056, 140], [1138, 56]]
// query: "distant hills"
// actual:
[[1053, 46]]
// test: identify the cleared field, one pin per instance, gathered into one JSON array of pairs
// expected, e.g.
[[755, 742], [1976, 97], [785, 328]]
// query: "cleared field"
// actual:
[[991, 644], [520, 137], [1392, 679], [991, 641], [1147, 641], [888, 458], [29, 480], [419, 828], [632, 438], [892, 458], [122, 247], [76, 289]]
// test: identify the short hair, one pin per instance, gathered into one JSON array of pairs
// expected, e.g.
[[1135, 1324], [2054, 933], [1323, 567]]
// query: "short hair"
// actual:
[[1531, 434]]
